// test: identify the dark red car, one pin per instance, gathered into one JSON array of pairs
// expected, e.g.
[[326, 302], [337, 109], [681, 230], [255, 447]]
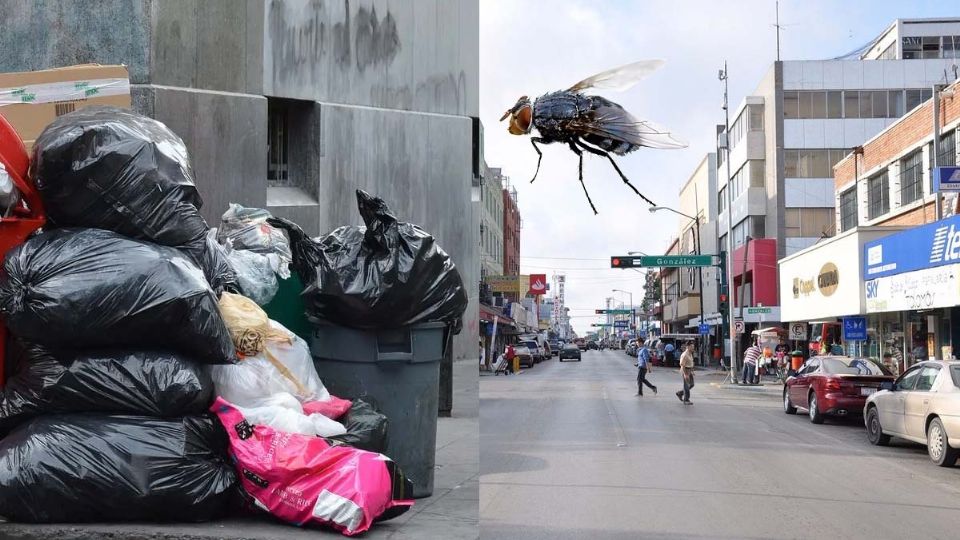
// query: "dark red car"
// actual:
[[833, 385]]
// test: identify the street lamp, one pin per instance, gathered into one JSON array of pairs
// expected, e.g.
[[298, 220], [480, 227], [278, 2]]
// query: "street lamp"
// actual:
[[696, 249], [632, 322]]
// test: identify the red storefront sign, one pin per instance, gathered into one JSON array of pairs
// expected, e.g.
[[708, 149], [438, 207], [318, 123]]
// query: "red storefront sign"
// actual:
[[538, 284]]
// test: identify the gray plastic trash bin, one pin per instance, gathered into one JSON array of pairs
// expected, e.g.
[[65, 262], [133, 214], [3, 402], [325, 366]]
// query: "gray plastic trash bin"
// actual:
[[398, 372]]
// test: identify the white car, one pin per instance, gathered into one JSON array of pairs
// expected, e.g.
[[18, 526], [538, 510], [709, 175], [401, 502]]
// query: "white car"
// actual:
[[923, 406]]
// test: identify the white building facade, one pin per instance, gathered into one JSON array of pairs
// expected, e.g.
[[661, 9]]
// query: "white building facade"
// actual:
[[491, 222], [805, 116]]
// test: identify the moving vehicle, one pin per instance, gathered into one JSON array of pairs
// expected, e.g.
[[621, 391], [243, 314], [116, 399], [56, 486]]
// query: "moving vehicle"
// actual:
[[581, 343], [632, 348], [570, 351], [922, 406], [554, 346], [592, 345], [833, 385], [525, 356]]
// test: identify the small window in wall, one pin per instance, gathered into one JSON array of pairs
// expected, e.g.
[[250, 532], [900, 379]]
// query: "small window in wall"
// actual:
[[911, 178], [878, 195], [791, 104], [848, 209], [808, 222], [278, 140], [293, 144], [912, 47], [835, 104]]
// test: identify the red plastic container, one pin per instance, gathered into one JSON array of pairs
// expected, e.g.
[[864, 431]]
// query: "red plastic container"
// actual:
[[26, 217]]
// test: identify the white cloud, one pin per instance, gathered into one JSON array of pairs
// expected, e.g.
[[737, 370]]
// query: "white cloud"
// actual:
[[532, 47]]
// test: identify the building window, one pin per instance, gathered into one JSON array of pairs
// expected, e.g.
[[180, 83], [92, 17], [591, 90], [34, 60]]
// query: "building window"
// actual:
[[278, 140], [915, 97], [722, 199], [947, 151], [811, 162], [757, 172], [911, 178], [808, 222], [951, 46], [878, 195], [756, 117], [791, 104], [834, 104], [848, 209]]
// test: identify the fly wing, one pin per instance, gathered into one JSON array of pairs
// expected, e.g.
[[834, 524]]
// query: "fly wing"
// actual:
[[620, 78], [615, 123]]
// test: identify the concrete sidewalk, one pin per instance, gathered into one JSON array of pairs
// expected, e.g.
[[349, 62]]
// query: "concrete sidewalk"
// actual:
[[450, 513]]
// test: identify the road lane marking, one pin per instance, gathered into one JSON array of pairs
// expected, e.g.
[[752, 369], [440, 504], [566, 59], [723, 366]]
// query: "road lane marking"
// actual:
[[621, 438]]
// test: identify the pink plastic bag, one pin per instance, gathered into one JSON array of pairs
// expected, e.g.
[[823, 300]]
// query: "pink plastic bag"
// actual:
[[303, 480], [333, 408]]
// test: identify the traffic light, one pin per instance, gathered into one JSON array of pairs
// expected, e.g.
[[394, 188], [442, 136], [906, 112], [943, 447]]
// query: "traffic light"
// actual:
[[724, 304], [621, 261]]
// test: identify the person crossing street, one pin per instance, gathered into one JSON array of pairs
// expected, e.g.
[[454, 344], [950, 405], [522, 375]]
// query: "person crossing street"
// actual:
[[686, 372], [643, 366]]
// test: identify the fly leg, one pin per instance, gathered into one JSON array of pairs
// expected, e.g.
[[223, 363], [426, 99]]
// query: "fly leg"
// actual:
[[607, 155], [579, 154], [534, 141]]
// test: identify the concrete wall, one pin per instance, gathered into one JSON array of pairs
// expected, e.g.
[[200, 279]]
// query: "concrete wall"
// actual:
[[395, 54], [387, 89]]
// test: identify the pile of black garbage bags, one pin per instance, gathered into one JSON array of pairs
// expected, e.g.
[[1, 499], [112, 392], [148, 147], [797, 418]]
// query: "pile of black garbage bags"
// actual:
[[120, 342]]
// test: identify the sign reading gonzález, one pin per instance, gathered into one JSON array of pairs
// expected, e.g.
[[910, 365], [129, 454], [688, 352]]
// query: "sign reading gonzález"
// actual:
[[826, 282]]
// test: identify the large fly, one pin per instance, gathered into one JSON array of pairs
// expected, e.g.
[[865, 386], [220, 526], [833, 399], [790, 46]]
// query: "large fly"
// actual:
[[591, 124]]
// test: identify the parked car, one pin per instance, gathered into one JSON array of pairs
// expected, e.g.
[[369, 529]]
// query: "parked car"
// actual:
[[525, 356], [677, 340], [570, 351], [922, 406], [535, 350], [554, 347], [833, 385]]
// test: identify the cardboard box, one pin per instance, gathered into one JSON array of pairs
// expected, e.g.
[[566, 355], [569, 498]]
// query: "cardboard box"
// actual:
[[30, 101]]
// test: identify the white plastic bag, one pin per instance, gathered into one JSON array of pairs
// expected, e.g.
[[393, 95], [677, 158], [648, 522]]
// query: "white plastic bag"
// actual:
[[281, 368], [284, 413], [255, 275]]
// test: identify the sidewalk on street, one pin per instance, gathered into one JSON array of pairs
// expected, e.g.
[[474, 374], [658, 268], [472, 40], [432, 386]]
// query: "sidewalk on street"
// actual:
[[450, 513]]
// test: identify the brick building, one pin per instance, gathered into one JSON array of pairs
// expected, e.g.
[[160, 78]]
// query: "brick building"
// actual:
[[889, 180], [511, 232]]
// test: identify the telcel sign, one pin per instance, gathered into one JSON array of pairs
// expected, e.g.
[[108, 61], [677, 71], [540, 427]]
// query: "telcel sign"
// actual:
[[928, 246]]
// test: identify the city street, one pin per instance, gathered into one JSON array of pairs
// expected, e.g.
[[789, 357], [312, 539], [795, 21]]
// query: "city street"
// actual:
[[570, 452]]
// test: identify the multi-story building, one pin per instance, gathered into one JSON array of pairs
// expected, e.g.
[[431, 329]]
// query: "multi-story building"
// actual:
[[511, 230], [697, 200], [491, 222], [804, 117], [893, 264]]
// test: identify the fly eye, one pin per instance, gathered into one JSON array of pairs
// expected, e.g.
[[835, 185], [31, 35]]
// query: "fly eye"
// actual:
[[524, 117]]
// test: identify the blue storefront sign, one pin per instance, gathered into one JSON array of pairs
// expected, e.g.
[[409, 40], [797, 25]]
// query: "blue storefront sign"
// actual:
[[946, 179], [927, 246], [704, 329], [854, 328]]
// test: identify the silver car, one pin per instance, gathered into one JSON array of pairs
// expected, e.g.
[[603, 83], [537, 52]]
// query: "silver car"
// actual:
[[923, 406]]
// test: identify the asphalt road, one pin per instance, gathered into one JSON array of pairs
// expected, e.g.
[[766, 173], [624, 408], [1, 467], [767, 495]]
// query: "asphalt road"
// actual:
[[568, 451]]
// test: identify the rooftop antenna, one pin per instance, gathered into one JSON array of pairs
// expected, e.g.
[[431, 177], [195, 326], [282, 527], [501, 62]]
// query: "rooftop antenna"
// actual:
[[777, 25]]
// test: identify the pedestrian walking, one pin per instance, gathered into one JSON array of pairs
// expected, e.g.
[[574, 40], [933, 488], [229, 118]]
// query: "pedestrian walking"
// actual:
[[750, 358], [686, 372], [643, 367]]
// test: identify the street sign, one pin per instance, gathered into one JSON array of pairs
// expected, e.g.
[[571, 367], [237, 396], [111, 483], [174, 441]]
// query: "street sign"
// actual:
[[657, 261], [946, 179], [677, 260], [854, 328], [613, 311], [759, 310], [621, 324], [600, 324], [798, 331], [704, 329], [738, 325]]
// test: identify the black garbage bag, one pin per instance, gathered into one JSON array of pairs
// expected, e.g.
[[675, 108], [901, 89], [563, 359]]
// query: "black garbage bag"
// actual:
[[388, 274], [114, 169], [91, 467], [121, 381], [87, 288], [366, 428]]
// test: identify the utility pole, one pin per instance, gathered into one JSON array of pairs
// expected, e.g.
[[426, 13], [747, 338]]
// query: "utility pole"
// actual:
[[726, 149], [936, 144]]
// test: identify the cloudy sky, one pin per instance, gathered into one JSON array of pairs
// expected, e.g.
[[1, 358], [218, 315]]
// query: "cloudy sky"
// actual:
[[529, 47]]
